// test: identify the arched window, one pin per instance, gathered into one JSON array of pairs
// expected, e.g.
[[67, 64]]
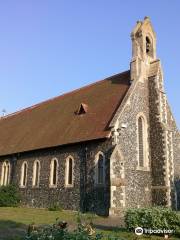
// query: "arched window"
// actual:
[[69, 171], [36, 173], [100, 168], [148, 45], [53, 172], [24, 169], [142, 141], [5, 173]]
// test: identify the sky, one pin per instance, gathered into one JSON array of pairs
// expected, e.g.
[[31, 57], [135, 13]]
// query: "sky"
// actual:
[[50, 47]]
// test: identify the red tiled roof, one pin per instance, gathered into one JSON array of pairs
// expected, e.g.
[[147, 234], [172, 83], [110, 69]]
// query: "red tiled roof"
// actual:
[[55, 122]]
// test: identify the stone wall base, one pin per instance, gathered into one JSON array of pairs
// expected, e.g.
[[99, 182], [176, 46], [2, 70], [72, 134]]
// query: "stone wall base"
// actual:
[[117, 212]]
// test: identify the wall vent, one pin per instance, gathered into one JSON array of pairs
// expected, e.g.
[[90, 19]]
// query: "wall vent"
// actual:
[[82, 109]]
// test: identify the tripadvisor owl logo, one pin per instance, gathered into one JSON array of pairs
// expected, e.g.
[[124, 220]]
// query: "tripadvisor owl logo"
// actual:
[[138, 231]]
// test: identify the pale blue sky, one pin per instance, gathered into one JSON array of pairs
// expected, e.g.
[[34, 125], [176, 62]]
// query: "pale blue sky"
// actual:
[[51, 47]]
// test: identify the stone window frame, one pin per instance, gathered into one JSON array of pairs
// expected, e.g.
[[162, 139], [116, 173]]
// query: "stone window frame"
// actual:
[[23, 178], [96, 169], [34, 174], [67, 172], [51, 184], [5, 173], [145, 166]]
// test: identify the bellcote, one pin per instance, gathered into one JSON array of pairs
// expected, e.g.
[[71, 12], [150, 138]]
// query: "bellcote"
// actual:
[[143, 48]]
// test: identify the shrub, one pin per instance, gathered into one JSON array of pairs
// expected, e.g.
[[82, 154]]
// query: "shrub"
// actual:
[[57, 232], [9, 196], [153, 218]]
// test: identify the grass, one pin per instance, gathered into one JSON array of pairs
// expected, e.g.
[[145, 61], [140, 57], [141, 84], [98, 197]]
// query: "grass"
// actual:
[[38, 216], [14, 221]]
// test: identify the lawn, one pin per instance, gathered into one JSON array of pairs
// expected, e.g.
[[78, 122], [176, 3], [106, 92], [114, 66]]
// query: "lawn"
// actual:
[[14, 222], [38, 216]]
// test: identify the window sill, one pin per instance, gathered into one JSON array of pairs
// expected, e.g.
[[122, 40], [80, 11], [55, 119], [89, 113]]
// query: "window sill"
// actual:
[[145, 169], [22, 187], [52, 186], [35, 187], [69, 186]]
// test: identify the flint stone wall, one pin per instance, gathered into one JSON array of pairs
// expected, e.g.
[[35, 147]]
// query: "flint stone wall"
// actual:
[[84, 195], [137, 183]]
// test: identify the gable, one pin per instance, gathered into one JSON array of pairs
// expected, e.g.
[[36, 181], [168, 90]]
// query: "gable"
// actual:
[[54, 122]]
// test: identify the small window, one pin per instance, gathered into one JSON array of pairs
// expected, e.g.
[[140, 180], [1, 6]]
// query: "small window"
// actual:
[[148, 45], [142, 142], [5, 173], [36, 173], [100, 168], [53, 172], [24, 168], [69, 171]]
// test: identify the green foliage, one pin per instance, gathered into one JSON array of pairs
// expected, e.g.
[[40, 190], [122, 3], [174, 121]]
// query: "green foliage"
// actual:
[[55, 207], [9, 196], [54, 232], [58, 232], [153, 218]]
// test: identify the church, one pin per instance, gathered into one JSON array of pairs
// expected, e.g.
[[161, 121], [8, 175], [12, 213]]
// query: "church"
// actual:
[[103, 148]]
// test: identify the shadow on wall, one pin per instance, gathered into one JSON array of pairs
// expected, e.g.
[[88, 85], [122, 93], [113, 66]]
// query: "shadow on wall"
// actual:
[[177, 189], [94, 198]]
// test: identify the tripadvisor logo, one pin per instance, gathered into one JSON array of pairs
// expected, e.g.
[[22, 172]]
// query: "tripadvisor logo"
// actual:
[[138, 231]]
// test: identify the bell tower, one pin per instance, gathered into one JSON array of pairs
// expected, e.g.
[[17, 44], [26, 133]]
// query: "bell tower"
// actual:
[[143, 49]]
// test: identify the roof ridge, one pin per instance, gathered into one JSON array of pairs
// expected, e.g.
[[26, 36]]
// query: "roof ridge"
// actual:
[[59, 96]]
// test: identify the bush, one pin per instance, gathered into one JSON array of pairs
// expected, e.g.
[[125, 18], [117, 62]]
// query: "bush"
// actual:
[[55, 232], [9, 196], [58, 232], [153, 218]]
